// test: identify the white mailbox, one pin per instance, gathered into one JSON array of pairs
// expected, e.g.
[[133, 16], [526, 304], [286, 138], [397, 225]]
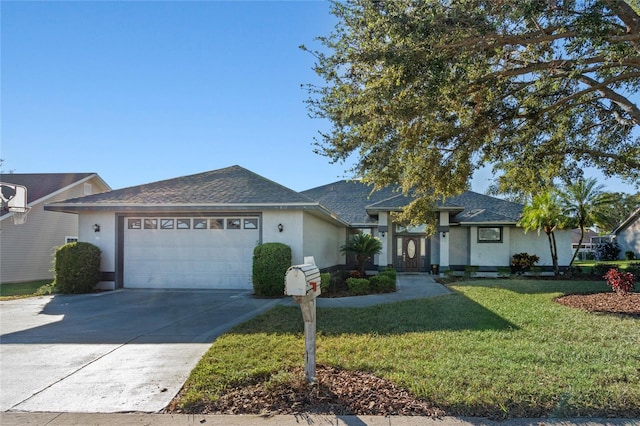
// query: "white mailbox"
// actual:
[[302, 280]]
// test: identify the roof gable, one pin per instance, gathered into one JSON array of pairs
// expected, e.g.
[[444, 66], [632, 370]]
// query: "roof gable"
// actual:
[[628, 221], [231, 185], [41, 185]]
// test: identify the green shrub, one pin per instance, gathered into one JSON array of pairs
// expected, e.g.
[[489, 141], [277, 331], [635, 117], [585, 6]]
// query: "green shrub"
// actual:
[[536, 271], [76, 268], [358, 286], [522, 262], [270, 264], [629, 255], [471, 270], [325, 282], [389, 272], [600, 269], [382, 283]]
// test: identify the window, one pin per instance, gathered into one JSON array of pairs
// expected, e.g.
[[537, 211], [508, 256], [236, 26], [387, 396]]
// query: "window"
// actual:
[[233, 223], [166, 224], [184, 224], [412, 229], [135, 223], [487, 234], [216, 224], [251, 224], [68, 240], [199, 223], [151, 224]]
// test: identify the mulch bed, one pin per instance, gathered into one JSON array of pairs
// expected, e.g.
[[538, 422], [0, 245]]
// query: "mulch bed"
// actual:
[[336, 391], [612, 303]]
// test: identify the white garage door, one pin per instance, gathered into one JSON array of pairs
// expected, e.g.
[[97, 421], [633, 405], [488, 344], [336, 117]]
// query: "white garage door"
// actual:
[[189, 252]]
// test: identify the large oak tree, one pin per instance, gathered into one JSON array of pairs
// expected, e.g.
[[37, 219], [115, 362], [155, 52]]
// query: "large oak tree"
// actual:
[[423, 93]]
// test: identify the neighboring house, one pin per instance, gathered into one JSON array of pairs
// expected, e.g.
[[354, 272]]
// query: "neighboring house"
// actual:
[[628, 234], [26, 250], [199, 231], [587, 247]]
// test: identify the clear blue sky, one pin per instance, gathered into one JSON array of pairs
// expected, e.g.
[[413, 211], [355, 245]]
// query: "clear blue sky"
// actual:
[[144, 91]]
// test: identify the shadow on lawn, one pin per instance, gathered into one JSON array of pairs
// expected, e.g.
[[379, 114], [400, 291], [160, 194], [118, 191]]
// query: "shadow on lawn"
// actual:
[[452, 312]]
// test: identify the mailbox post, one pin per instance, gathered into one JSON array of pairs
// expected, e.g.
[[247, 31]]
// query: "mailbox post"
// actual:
[[303, 283]]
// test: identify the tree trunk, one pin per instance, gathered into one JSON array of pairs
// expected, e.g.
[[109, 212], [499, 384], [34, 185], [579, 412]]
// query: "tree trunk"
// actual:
[[554, 252], [575, 253]]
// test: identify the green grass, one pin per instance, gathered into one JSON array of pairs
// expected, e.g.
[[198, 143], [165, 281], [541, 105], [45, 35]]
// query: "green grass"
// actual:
[[499, 348], [622, 264], [25, 289]]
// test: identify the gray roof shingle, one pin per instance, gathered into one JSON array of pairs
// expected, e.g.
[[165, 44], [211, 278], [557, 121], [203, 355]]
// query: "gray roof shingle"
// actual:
[[352, 199], [232, 185]]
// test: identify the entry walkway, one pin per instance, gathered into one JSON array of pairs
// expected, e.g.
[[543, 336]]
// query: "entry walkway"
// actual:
[[408, 287]]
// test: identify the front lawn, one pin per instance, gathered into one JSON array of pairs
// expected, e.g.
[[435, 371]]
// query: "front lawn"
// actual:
[[498, 348], [24, 289]]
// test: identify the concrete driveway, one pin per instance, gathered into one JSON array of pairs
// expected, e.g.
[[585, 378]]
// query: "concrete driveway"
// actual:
[[120, 351]]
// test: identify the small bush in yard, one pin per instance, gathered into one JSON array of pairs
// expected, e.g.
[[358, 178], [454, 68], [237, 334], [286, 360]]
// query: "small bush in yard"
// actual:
[[522, 262], [270, 264], [382, 283], [607, 251], [76, 268], [620, 282], [358, 286], [325, 282]]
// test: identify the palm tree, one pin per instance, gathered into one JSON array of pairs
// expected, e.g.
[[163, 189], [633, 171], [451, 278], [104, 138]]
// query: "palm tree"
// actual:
[[582, 202], [364, 246], [544, 213]]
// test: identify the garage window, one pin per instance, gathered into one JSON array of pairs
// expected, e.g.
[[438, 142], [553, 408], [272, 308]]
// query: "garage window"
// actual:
[[216, 224], [199, 223], [233, 223], [184, 224], [251, 224], [151, 224], [135, 223], [166, 224]]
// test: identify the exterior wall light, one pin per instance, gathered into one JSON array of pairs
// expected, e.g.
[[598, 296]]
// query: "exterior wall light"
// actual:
[[96, 228], [280, 227]]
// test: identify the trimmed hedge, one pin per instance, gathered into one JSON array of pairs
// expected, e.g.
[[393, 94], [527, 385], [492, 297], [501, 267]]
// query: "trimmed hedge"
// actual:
[[382, 283], [358, 286], [270, 264], [325, 282], [76, 268]]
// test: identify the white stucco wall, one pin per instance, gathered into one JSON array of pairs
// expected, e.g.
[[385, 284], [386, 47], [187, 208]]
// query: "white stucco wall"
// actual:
[[105, 240], [292, 234], [322, 240], [459, 247], [629, 239], [533, 243], [490, 254]]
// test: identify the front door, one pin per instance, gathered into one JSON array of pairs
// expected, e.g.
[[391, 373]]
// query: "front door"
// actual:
[[411, 253]]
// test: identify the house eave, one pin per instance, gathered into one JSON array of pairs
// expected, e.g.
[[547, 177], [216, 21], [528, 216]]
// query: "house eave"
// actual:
[[76, 208]]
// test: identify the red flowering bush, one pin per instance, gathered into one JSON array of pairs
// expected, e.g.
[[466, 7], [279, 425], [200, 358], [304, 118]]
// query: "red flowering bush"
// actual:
[[620, 282]]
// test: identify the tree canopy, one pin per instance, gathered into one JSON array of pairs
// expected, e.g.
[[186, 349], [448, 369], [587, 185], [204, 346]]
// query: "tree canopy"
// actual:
[[426, 92]]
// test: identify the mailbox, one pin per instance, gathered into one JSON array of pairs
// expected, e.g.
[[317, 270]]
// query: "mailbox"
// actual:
[[302, 280]]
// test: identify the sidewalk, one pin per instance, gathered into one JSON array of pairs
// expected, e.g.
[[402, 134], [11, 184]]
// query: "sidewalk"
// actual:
[[82, 419]]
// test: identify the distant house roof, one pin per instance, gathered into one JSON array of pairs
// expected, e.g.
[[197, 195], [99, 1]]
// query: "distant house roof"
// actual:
[[42, 186], [355, 202], [219, 189], [628, 221]]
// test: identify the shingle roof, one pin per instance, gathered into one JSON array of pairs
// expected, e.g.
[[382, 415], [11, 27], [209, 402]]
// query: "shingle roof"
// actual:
[[39, 185], [232, 185], [351, 199]]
